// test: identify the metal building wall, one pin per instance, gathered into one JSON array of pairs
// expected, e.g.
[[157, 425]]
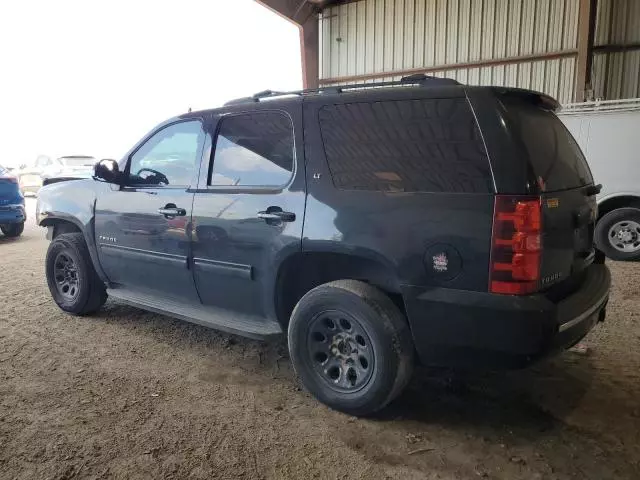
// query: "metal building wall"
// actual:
[[616, 74], [381, 36]]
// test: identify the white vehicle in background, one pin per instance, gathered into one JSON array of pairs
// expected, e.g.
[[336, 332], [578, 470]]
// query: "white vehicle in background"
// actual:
[[31, 177], [609, 134]]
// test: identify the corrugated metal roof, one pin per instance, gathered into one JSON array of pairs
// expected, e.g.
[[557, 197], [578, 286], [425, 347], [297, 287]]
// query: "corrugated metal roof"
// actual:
[[379, 36], [617, 74], [617, 22]]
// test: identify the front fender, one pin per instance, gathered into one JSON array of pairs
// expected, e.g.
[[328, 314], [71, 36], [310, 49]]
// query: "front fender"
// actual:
[[73, 202]]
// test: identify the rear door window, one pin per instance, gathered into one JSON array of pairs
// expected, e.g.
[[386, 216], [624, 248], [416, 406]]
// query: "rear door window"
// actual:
[[425, 145], [254, 150], [554, 155]]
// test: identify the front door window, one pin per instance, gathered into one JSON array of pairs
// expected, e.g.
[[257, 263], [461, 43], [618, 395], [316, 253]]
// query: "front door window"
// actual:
[[169, 158]]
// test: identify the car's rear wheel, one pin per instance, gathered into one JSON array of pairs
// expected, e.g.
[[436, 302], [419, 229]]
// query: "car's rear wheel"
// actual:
[[73, 282], [617, 234], [12, 229], [351, 346]]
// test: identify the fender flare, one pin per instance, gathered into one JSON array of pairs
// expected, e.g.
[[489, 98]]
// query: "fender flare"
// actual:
[[87, 230]]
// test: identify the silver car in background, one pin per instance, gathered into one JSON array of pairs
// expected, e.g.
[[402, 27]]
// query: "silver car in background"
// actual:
[[31, 178]]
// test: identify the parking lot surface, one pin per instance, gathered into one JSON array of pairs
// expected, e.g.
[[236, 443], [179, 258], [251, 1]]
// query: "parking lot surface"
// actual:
[[130, 394]]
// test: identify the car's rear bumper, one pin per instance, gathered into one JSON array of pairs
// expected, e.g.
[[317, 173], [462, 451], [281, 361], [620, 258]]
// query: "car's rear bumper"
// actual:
[[474, 329], [12, 214], [30, 183]]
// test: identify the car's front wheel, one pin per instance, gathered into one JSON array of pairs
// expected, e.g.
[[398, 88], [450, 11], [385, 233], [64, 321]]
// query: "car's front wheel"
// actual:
[[351, 346], [73, 282], [12, 229]]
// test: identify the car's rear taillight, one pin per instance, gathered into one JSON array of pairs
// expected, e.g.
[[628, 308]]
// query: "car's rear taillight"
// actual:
[[516, 245]]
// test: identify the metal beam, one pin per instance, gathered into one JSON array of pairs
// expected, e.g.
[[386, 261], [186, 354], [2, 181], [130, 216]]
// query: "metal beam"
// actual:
[[285, 8], [616, 47], [454, 66], [303, 14], [310, 51], [586, 30]]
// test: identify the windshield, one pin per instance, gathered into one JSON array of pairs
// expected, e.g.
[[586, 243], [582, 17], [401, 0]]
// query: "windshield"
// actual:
[[555, 157], [77, 161]]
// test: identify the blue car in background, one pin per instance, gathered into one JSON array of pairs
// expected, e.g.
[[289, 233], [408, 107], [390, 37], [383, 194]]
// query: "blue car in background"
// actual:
[[12, 212]]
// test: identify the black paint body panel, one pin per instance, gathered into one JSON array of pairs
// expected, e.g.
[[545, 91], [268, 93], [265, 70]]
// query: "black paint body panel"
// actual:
[[430, 251]]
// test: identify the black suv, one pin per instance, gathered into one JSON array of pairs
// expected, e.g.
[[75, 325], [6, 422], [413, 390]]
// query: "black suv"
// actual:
[[371, 223]]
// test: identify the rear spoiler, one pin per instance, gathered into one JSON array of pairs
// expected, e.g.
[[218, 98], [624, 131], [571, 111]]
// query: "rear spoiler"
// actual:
[[539, 99]]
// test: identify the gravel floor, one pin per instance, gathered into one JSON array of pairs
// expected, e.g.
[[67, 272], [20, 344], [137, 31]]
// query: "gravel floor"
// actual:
[[129, 394]]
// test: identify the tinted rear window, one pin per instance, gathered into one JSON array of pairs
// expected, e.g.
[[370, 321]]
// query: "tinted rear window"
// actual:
[[426, 145], [554, 156]]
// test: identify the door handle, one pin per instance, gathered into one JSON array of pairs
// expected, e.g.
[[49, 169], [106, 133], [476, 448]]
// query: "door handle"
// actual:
[[171, 210], [277, 216]]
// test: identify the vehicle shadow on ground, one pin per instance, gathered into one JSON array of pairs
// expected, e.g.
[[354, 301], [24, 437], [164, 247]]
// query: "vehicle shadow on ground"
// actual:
[[435, 396], [257, 358], [524, 405], [536, 412], [4, 239]]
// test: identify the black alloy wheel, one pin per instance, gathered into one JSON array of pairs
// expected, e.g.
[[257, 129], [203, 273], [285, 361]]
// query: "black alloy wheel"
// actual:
[[340, 351], [65, 272], [72, 279], [351, 346]]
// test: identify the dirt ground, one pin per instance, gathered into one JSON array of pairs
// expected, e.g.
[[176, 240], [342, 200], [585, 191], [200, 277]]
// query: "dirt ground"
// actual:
[[129, 394]]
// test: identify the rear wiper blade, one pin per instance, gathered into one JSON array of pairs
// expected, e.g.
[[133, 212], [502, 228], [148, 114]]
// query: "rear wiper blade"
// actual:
[[592, 190]]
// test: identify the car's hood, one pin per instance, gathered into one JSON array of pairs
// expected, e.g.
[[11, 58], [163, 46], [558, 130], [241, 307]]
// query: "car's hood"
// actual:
[[69, 174]]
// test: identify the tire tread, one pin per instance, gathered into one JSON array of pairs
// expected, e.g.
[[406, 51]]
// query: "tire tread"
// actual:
[[13, 230], [394, 325], [403, 342], [602, 232], [97, 291]]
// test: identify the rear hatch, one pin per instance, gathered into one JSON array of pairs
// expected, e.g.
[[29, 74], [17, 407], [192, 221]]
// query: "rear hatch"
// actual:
[[559, 175]]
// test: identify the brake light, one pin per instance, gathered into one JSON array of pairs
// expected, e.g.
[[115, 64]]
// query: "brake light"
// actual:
[[516, 245]]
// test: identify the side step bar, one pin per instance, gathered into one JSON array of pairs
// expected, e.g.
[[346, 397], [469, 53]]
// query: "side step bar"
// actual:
[[230, 322]]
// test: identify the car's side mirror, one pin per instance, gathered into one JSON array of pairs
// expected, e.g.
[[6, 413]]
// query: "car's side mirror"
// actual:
[[107, 170]]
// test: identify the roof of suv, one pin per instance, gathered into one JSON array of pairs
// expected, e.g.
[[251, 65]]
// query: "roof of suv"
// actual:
[[341, 93]]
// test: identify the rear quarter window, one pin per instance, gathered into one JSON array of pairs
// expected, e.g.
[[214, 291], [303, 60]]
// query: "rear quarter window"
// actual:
[[425, 145]]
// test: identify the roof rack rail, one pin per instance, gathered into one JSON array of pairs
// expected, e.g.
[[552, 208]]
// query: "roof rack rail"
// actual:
[[417, 79], [256, 97]]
